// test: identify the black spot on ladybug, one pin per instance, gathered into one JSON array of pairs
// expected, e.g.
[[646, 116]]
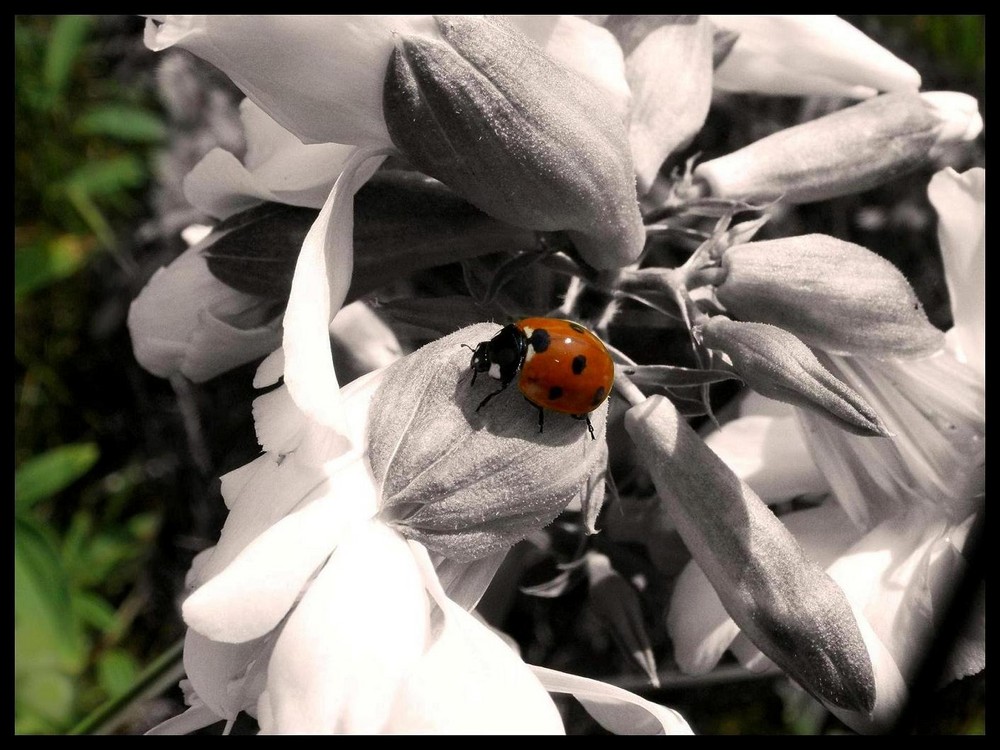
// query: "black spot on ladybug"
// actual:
[[579, 362], [555, 392], [598, 395], [577, 327], [539, 340]]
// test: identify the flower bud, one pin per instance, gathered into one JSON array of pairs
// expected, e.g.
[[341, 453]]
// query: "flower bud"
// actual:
[[524, 139], [832, 294], [958, 118], [845, 152], [468, 483], [782, 600], [778, 365], [186, 321]]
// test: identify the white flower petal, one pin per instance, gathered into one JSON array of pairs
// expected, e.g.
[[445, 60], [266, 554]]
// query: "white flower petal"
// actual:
[[352, 640], [187, 321], [935, 408], [465, 583], [960, 202], [469, 681], [699, 626], [901, 575], [582, 47], [270, 370], [277, 167], [362, 338], [616, 709], [195, 718], [276, 487], [668, 110], [218, 671], [800, 54], [771, 455], [322, 277], [318, 76], [282, 428], [255, 591]]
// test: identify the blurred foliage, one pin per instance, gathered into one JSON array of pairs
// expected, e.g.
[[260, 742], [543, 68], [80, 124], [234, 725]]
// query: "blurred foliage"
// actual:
[[83, 144]]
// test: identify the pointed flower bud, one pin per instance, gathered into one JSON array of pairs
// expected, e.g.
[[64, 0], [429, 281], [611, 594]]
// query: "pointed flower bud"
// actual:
[[488, 113], [847, 151], [781, 599], [776, 364], [832, 294], [468, 483]]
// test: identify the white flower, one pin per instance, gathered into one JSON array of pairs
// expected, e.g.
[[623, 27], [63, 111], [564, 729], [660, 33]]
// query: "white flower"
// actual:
[[892, 535], [316, 614]]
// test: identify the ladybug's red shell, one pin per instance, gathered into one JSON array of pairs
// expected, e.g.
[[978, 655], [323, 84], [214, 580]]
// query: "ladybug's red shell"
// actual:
[[566, 367]]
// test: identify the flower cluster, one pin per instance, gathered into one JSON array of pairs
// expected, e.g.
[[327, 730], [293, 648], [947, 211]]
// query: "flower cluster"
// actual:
[[542, 157]]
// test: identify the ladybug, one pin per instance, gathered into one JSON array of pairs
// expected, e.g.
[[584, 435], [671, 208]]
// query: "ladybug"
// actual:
[[559, 365]]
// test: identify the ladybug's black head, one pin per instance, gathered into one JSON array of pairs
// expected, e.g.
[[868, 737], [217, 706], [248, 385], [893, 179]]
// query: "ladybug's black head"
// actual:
[[501, 356], [480, 358]]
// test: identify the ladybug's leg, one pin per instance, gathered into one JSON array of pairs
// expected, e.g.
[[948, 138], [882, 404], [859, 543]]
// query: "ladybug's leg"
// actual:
[[487, 399], [589, 425]]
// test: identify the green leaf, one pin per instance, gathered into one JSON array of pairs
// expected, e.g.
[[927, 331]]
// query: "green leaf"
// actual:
[[43, 476], [116, 671], [96, 179], [122, 121], [95, 611], [103, 556], [45, 696], [41, 595], [38, 266], [66, 41]]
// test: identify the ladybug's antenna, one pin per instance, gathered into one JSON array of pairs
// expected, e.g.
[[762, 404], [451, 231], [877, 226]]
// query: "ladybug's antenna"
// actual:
[[468, 347]]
